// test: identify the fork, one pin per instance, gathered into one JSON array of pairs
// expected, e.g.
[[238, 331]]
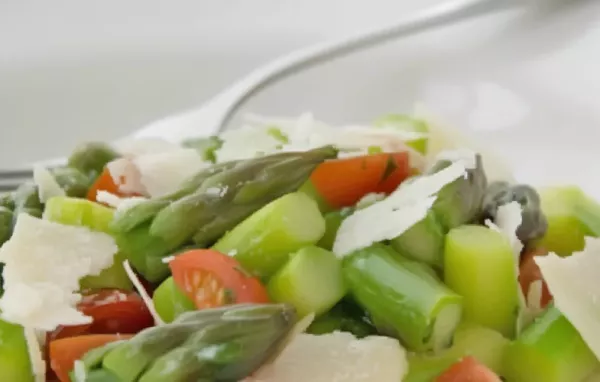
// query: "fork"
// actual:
[[217, 112]]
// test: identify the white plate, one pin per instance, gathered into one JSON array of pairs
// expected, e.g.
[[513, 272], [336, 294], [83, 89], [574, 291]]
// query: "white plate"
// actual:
[[525, 83]]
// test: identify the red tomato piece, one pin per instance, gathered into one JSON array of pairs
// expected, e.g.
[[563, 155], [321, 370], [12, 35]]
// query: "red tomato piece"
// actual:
[[212, 279], [468, 370], [530, 272], [113, 311]]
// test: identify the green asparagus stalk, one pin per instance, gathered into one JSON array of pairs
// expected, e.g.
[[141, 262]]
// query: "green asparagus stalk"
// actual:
[[403, 301], [486, 345], [423, 242], [27, 200], [82, 212], [333, 221], [406, 123], [72, 181], [170, 302], [480, 265], [460, 202], [533, 225], [90, 158], [549, 350], [263, 242], [223, 344], [206, 147], [15, 364], [6, 219], [311, 281]]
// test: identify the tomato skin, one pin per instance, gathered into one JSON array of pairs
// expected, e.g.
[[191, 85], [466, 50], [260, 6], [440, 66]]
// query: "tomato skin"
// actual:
[[212, 279], [468, 370], [65, 351], [113, 311], [530, 272]]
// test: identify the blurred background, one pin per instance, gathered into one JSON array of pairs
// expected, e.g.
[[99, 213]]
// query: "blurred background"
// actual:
[[72, 70]]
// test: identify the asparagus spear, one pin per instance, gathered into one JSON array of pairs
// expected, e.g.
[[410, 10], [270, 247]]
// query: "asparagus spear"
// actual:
[[333, 221], [549, 350], [423, 242], [480, 265], [74, 182], [6, 219], [263, 242], [15, 364], [27, 200], [534, 224], [311, 281], [460, 202], [404, 301], [90, 158], [222, 344], [7, 200]]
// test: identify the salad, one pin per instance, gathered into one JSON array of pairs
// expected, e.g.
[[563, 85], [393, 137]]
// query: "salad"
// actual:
[[292, 250]]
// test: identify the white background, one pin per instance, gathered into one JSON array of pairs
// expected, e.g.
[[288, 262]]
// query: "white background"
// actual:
[[73, 70]]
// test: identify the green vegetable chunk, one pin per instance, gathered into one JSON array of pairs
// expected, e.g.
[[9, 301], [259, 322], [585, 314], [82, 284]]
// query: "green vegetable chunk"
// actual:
[[571, 215], [534, 224], [14, 355], [90, 158], [170, 302], [96, 217], [549, 350], [344, 317], [311, 281], [480, 265], [403, 300], [6, 219], [460, 202], [7, 200], [222, 344], [406, 123], [423, 242], [263, 242], [486, 345], [333, 221], [72, 181], [27, 200], [205, 146]]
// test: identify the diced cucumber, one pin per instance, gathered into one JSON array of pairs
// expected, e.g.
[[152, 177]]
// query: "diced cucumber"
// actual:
[[486, 345], [15, 364], [571, 216], [311, 281], [549, 350], [480, 265], [404, 301], [170, 302], [96, 217], [263, 242], [333, 221], [308, 188], [423, 242]]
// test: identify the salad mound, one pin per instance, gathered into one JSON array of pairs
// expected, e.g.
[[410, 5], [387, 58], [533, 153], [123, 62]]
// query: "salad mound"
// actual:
[[291, 250]]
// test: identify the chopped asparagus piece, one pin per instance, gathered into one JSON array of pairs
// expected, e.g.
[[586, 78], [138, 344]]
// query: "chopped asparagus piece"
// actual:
[[72, 181], [262, 242], [15, 364], [333, 221], [311, 281], [549, 350], [170, 302], [480, 265], [90, 158], [423, 242], [403, 301]]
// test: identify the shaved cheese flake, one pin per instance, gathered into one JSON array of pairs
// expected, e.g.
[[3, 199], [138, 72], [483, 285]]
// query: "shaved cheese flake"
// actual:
[[38, 365], [245, 143], [143, 294], [465, 156], [571, 282], [79, 371], [508, 220], [168, 259], [44, 262], [163, 173], [337, 357], [47, 185], [394, 215], [126, 176], [115, 201]]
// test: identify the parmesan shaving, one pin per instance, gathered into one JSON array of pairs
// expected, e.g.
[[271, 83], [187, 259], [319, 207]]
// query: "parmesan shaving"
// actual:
[[571, 282], [46, 183], [143, 294], [79, 371], [38, 365]]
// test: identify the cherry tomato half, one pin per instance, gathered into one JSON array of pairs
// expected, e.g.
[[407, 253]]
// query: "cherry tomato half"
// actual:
[[113, 311], [212, 279]]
